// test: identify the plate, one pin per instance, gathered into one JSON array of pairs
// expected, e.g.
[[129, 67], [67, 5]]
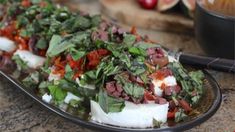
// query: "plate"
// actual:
[[207, 107]]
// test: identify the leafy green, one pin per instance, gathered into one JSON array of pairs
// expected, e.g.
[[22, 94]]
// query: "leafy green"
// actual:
[[21, 65], [32, 80], [191, 82], [137, 51], [76, 54], [57, 93], [58, 45], [96, 20], [156, 124], [41, 44], [110, 104], [129, 39], [180, 115], [130, 88]]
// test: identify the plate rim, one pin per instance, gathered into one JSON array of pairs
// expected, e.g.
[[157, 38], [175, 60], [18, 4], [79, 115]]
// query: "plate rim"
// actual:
[[96, 126]]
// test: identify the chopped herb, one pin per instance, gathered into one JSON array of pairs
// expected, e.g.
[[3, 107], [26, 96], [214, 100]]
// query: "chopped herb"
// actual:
[[110, 104]]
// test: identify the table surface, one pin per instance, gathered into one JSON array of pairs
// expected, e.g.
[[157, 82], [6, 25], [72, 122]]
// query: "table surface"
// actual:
[[19, 113]]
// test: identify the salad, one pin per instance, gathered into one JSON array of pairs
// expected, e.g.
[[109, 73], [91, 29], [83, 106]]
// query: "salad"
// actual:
[[94, 69]]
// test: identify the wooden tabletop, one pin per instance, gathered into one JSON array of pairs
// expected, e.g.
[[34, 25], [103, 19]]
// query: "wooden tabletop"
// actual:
[[19, 113]]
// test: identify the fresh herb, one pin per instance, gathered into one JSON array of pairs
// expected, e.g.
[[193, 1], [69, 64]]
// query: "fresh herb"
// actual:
[[180, 115], [57, 93], [32, 80], [129, 39], [156, 124], [130, 88], [191, 82], [21, 65], [110, 104], [58, 45]]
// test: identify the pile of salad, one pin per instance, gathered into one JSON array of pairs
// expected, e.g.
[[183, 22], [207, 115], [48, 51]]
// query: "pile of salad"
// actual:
[[93, 68]]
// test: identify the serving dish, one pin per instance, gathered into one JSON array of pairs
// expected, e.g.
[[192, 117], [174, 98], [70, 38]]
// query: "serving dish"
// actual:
[[95, 73], [215, 31], [208, 106]]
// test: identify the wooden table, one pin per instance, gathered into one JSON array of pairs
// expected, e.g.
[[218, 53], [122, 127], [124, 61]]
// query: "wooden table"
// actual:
[[19, 113]]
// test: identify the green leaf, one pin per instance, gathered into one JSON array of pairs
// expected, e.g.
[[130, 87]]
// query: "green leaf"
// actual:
[[58, 46], [32, 80], [96, 20], [125, 59], [57, 93], [81, 23], [137, 51], [130, 88], [144, 45], [156, 124], [22, 21], [129, 39], [68, 72], [110, 104], [76, 54], [21, 65], [41, 44], [180, 115]]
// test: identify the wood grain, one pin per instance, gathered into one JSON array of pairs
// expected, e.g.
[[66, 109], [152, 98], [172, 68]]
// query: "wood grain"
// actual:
[[129, 12]]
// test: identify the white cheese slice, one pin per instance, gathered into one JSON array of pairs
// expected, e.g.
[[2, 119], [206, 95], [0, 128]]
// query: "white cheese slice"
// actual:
[[47, 98], [33, 61], [71, 96], [132, 115], [7, 45], [168, 81]]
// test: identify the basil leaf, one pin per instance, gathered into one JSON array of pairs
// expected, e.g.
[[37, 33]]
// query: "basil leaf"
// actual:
[[137, 51], [21, 65], [41, 44], [57, 93], [32, 80], [96, 20], [180, 115], [130, 88], [58, 46], [110, 104], [129, 39], [76, 55]]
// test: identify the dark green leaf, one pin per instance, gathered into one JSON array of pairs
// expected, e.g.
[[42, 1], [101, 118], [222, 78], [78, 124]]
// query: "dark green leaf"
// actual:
[[96, 20], [180, 115], [137, 51], [110, 104], [129, 39], [32, 80], [42, 43], [21, 65], [130, 88], [76, 55]]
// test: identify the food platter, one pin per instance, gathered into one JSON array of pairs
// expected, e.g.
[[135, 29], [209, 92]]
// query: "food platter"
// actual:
[[208, 108], [94, 73]]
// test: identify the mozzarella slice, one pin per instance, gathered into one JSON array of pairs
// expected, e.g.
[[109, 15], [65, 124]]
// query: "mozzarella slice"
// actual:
[[71, 96], [47, 98], [132, 115], [168, 81], [33, 61], [7, 45]]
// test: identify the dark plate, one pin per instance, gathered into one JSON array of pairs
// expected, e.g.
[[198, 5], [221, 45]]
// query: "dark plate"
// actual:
[[208, 106]]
